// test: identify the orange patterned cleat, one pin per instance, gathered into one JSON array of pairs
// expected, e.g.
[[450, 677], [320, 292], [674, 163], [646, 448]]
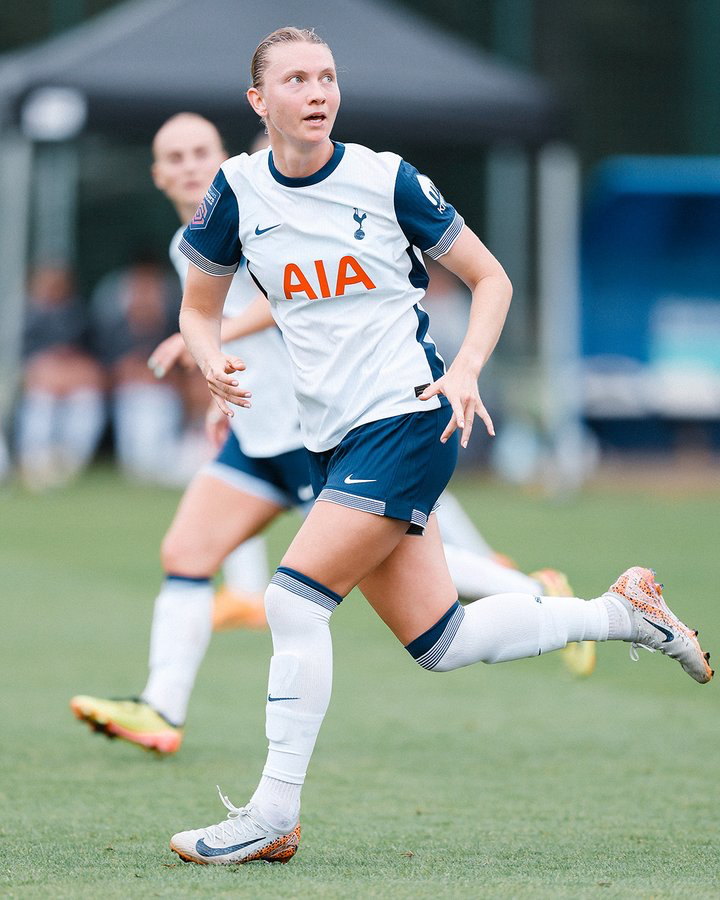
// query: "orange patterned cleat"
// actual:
[[579, 657], [655, 626], [243, 837], [233, 609]]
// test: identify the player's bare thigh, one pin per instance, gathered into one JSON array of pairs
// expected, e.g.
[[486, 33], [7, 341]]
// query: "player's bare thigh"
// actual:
[[412, 589], [339, 546], [61, 371], [213, 518]]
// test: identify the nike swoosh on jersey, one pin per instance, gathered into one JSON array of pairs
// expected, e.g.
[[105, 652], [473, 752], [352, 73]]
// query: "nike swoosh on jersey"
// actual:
[[272, 699], [351, 480], [669, 636], [259, 230], [203, 849]]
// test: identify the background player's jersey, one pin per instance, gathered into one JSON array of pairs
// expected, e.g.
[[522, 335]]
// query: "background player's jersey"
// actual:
[[337, 254], [271, 426]]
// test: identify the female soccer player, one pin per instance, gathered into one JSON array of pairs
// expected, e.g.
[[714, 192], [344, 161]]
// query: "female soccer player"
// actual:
[[331, 232], [261, 470]]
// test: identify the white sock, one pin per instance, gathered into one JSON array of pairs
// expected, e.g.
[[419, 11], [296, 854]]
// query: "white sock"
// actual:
[[458, 529], [279, 802], [481, 576], [80, 426], [620, 627], [146, 426], [181, 629], [298, 611], [508, 626], [245, 569], [36, 427]]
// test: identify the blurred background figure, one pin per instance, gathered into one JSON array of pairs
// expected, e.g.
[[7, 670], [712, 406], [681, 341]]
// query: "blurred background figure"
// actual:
[[61, 414], [157, 425]]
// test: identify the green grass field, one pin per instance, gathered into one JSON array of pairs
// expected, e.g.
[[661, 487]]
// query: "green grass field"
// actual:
[[509, 781]]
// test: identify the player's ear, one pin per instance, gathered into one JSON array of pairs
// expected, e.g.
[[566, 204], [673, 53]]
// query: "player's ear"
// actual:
[[255, 100], [157, 177]]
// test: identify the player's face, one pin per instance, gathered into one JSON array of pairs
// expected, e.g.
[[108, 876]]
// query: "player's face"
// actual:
[[188, 153], [299, 98]]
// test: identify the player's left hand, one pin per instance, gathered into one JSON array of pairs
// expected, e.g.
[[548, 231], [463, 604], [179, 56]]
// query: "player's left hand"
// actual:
[[219, 372], [459, 385], [170, 352]]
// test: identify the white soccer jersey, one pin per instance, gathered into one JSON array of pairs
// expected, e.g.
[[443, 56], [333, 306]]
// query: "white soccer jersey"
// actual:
[[337, 254], [271, 426]]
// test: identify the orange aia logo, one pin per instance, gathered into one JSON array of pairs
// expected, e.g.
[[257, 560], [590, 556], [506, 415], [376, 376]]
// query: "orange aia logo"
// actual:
[[349, 271]]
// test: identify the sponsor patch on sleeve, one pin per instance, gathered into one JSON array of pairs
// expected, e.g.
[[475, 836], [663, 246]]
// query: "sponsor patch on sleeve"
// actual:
[[205, 210]]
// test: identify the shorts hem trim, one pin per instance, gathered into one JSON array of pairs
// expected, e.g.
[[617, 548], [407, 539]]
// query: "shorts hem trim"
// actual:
[[377, 507], [248, 484]]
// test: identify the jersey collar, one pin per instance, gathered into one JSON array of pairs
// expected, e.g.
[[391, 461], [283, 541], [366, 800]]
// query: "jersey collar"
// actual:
[[320, 175]]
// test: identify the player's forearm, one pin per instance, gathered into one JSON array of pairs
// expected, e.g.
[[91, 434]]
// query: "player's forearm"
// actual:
[[201, 333], [201, 315], [257, 317], [488, 311]]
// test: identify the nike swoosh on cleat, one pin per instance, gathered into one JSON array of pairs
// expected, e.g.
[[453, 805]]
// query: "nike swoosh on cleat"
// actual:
[[259, 230], [274, 699], [669, 636], [203, 849], [351, 480]]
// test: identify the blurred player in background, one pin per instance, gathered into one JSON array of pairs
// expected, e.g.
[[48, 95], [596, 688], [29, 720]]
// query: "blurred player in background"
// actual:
[[154, 425], [330, 232], [261, 470], [61, 411]]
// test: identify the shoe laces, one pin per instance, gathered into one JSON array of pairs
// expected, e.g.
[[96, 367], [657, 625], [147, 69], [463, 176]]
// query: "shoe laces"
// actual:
[[238, 822], [634, 655]]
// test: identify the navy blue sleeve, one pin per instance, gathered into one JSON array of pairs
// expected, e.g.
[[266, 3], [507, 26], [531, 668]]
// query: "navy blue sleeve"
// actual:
[[211, 239], [427, 221]]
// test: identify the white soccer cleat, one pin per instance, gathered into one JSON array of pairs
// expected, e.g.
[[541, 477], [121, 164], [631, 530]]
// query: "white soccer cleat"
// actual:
[[244, 836], [655, 626]]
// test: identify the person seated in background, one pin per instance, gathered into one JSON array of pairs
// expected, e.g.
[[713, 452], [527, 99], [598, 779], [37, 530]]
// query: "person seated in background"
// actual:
[[155, 424], [61, 411]]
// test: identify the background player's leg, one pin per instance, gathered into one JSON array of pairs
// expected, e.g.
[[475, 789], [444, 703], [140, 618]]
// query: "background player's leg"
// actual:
[[213, 518], [240, 601], [476, 570]]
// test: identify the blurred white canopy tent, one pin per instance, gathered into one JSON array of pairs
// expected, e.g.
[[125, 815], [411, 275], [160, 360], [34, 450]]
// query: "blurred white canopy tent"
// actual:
[[123, 71]]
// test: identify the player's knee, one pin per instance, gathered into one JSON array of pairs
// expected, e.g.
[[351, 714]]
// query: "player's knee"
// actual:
[[294, 602], [179, 556], [432, 649]]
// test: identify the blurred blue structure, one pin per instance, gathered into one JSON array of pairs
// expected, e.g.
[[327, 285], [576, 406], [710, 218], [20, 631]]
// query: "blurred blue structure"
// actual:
[[650, 288]]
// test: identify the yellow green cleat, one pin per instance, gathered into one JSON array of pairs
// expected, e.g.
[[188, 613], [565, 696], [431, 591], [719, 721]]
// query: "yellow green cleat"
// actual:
[[132, 720]]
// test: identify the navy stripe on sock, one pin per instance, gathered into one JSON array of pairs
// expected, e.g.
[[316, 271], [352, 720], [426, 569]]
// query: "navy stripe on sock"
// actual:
[[189, 579], [285, 576], [430, 647]]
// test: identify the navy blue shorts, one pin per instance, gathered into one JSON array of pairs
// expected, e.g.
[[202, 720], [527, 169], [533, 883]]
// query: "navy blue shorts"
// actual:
[[283, 479], [394, 467]]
